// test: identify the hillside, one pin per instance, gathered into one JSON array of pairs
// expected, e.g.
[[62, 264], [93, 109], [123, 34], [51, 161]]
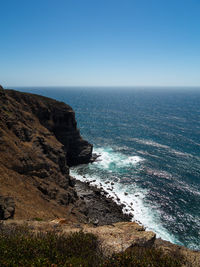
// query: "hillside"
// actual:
[[39, 141]]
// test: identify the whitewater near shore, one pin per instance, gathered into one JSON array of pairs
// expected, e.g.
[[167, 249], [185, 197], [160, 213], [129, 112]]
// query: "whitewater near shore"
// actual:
[[149, 146], [37, 184]]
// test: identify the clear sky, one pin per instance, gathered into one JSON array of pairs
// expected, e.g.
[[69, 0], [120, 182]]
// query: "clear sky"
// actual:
[[100, 42]]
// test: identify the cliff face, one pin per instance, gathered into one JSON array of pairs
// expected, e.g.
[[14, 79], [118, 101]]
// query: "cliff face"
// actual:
[[57, 117], [39, 140]]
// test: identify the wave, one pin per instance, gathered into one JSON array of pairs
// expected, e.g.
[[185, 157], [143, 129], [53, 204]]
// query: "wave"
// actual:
[[105, 173], [158, 173], [112, 161], [149, 143], [158, 145]]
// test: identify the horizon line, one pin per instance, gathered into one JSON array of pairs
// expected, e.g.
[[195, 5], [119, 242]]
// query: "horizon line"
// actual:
[[111, 86]]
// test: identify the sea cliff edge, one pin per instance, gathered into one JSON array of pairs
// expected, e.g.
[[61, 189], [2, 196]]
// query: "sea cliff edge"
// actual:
[[39, 141]]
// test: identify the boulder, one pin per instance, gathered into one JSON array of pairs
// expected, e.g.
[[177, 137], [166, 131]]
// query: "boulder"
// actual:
[[7, 208]]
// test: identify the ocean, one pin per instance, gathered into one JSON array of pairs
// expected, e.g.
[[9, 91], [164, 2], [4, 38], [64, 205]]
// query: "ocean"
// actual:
[[148, 140]]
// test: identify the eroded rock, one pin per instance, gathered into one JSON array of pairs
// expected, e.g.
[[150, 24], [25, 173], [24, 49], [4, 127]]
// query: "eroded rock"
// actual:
[[39, 140], [7, 208]]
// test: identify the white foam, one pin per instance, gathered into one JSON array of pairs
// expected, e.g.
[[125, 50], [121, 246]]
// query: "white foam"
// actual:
[[142, 212], [133, 160], [109, 159], [129, 194], [134, 204]]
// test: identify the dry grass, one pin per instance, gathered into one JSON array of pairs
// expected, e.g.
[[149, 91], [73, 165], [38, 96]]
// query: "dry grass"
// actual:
[[21, 247]]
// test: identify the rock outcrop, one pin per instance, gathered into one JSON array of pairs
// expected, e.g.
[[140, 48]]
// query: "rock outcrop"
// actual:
[[121, 236], [114, 238], [99, 209], [7, 208], [39, 140], [57, 117]]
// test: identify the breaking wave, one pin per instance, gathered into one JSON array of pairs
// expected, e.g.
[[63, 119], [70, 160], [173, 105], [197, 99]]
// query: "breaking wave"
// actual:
[[112, 173]]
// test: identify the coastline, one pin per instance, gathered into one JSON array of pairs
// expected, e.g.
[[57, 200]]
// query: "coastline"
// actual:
[[98, 207], [38, 136], [168, 197], [116, 230]]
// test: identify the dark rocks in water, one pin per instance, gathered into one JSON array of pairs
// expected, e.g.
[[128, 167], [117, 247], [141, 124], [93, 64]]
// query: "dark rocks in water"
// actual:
[[39, 141], [97, 191], [94, 157], [7, 208], [99, 207]]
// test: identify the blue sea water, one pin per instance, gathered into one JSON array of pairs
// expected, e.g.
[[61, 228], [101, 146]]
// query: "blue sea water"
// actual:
[[149, 145]]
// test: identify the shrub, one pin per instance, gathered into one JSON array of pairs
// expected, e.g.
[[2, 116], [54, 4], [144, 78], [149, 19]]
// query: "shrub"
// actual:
[[142, 257], [37, 219], [21, 247]]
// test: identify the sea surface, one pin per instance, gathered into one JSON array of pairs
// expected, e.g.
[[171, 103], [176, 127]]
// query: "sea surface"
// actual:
[[148, 140]]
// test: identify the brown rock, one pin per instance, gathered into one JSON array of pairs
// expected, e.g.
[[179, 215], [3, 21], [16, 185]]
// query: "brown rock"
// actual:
[[115, 238], [39, 139], [119, 236], [192, 258], [7, 208]]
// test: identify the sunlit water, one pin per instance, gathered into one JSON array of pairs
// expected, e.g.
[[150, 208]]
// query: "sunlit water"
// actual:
[[149, 147]]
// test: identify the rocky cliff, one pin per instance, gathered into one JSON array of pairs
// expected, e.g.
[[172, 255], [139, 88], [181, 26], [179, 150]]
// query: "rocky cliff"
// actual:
[[39, 140]]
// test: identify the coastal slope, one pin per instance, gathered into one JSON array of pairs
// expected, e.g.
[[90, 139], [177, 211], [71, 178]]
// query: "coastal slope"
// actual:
[[39, 140]]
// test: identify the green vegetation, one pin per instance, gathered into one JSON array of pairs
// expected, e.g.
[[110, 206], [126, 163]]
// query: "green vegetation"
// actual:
[[142, 257], [38, 219], [21, 247]]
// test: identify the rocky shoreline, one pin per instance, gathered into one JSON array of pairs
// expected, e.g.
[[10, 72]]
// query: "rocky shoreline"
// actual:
[[39, 141], [99, 208]]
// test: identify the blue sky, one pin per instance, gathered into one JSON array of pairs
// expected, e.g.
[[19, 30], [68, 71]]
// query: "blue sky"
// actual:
[[100, 42]]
